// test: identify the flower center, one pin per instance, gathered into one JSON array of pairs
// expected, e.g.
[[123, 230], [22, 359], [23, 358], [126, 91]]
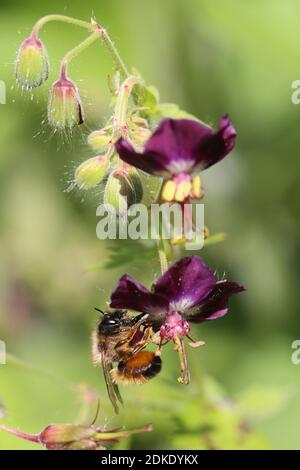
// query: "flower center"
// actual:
[[173, 326], [181, 187]]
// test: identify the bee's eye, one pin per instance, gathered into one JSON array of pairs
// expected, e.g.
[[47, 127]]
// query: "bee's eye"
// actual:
[[111, 322]]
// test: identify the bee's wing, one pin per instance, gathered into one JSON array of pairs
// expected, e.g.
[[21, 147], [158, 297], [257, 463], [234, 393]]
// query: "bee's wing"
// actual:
[[112, 389]]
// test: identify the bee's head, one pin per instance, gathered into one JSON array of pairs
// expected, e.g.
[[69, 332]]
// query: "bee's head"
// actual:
[[112, 322]]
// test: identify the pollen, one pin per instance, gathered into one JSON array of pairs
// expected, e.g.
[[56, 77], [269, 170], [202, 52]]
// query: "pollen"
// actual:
[[168, 192], [183, 191], [196, 187]]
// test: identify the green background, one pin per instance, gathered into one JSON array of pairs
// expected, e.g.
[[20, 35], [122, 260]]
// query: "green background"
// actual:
[[211, 57]]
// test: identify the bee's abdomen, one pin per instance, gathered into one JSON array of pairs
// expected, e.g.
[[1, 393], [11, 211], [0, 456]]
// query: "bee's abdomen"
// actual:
[[138, 369]]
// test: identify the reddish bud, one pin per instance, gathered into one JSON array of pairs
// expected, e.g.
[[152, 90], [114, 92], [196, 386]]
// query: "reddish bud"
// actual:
[[32, 64], [64, 106]]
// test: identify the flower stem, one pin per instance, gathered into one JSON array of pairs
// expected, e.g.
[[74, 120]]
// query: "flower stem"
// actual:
[[62, 18], [162, 255], [76, 50], [121, 109], [113, 51], [93, 26], [22, 435]]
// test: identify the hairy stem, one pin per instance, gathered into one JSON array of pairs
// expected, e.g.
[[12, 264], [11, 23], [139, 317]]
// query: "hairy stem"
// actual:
[[162, 255], [121, 109], [93, 26], [76, 50], [113, 52], [62, 18]]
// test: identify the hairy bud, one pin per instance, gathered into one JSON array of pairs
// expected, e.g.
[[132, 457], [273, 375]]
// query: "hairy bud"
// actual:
[[99, 140], [32, 64], [140, 135], [64, 106], [91, 172], [123, 188]]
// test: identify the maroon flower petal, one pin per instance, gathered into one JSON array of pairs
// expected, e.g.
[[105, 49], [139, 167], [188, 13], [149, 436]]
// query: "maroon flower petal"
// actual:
[[180, 146], [217, 146], [216, 304], [186, 283], [130, 294], [150, 163]]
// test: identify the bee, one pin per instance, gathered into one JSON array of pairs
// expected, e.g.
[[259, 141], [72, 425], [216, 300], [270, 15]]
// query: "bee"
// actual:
[[120, 338]]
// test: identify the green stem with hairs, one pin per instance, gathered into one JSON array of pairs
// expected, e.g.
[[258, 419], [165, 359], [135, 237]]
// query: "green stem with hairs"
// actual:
[[121, 108], [162, 255], [62, 18], [113, 52], [76, 50], [93, 26]]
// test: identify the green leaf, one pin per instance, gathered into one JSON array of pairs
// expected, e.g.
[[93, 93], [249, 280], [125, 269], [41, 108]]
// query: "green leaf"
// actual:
[[172, 110]]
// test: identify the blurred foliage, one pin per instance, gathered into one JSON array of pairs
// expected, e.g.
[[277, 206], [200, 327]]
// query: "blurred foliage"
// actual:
[[210, 58]]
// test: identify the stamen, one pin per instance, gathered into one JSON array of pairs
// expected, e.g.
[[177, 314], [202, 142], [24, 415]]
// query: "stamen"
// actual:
[[184, 366], [168, 191], [196, 187], [183, 191]]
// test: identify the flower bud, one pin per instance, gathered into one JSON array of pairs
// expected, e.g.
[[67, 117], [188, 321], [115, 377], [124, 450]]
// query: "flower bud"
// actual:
[[140, 135], [99, 140], [64, 106], [32, 64], [123, 188], [91, 172], [139, 121], [75, 436], [58, 435]]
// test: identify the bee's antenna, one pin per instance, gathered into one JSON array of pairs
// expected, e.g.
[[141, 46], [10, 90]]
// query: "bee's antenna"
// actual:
[[99, 310]]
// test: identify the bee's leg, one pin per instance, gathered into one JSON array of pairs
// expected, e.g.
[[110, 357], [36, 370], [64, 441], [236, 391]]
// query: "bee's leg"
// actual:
[[184, 366], [144, 341], [133, 331]]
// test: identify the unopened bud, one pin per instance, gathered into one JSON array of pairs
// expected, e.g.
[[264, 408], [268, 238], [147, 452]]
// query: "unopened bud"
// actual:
[[99, 140], [139, 121], [91, 172], [123, 188], [140, 135], [32, 64], [59, 436], [64, 106]]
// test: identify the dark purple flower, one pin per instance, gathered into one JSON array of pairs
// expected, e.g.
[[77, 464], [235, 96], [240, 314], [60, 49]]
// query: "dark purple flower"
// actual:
[[178, 148], [188, 291]]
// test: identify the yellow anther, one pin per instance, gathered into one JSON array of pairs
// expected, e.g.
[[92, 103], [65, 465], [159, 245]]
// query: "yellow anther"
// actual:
[[197, 186], [168, 191], [206, 233], [180, 240], [183, 191]]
